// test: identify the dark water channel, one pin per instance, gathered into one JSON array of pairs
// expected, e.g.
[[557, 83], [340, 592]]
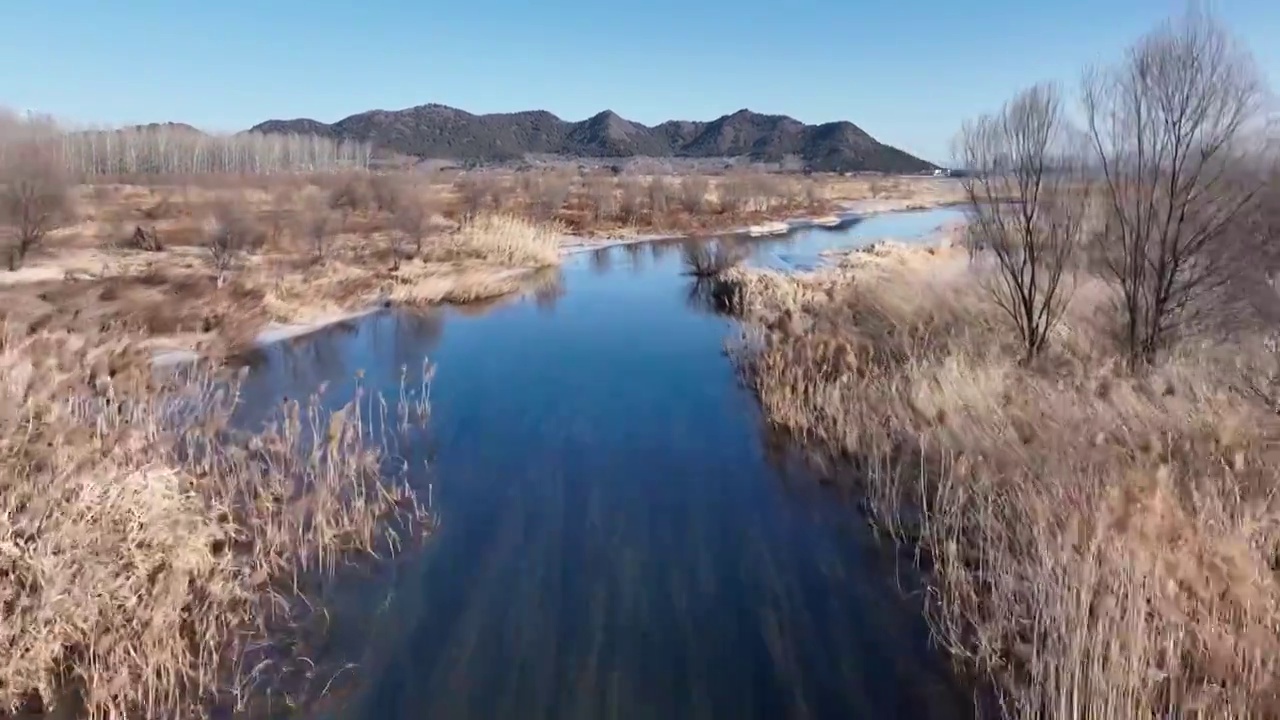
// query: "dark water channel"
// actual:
[[617, 540]]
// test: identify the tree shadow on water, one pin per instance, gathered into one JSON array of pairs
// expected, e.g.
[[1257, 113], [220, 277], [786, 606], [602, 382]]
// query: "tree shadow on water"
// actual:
[[708, 295]]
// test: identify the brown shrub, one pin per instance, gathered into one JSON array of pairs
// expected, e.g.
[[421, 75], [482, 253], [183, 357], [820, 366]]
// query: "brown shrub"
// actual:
[[474, 193], [631, 200], [548, 194], [695, 191], [602, 197], [316, 224], [736, 193], [279, 214], [659, 197], [412, 222], [232, 234], [706, 259], [388, 192], [34, 197], [352, 193]]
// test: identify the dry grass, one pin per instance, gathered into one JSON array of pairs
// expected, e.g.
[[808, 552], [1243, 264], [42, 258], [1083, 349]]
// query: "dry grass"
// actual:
[[155, 562], [502, 239], [595, 204], [335, 288], [1101, 545], [147, 257], [219, 263]]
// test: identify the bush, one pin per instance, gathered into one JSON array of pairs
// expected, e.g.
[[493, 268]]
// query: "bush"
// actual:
[[34, 197], [708, 259]]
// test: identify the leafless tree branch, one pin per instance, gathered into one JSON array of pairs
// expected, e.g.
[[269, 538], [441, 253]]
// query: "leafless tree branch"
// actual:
[[1027, 201], [1168, 126]]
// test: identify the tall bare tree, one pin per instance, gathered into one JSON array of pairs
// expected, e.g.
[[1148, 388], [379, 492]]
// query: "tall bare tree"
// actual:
[[34, 196], [1170, 126], [1027, 200], [178, 149]]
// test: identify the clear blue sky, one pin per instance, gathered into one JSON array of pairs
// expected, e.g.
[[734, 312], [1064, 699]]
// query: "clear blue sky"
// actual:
[[907, 71]]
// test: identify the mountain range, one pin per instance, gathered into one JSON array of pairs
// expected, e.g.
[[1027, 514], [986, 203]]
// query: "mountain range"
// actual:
[[440, 131]]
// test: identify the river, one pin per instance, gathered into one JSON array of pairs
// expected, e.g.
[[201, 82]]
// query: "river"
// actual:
[[618, 537]]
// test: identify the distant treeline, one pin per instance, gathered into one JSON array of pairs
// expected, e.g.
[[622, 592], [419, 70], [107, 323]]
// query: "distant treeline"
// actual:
[[178, 150]]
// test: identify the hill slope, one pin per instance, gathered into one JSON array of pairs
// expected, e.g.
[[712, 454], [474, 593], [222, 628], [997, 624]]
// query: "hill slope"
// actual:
[[440, 131]]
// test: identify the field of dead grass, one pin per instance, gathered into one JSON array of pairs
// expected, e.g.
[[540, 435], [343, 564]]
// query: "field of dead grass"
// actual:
[[221, 262], [1098, 544], [156, 563], [206, 262]]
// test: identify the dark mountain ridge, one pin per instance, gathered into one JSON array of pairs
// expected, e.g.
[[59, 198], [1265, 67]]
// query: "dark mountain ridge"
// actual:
[[440, 131]]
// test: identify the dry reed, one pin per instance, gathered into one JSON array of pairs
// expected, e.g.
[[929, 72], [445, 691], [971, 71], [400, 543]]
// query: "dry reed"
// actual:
[[1101, 545], [156, 562], [502, 239]]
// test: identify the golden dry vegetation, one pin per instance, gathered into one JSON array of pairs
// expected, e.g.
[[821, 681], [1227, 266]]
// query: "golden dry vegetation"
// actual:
[[212, 266], [156, 562], [1101, 543], [208, 261]]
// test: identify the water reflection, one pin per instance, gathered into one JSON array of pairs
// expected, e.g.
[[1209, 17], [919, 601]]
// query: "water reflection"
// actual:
[[705, 295], [602, 259], [636, 254], [660, 249], [547, 289], [405, 337]]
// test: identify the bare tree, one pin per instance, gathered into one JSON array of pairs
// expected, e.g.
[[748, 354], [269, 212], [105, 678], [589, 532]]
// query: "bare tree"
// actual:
[[546, 193], [499, 194], [388, 192], [352, 194], [694, 191], [232, 234], [813, 192], [659, 194], [279, 213], [316, 223], [1027, 199], [631, 199], [412, 221], [735, 193], [473, 193], [1168, 125], [181, 150], [34, 196], [604, 200]]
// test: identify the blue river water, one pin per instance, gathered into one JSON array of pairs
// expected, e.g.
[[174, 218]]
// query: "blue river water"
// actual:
[[619, 537]]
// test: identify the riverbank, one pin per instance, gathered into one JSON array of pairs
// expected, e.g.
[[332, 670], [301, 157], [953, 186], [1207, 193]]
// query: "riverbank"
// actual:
[[462, 285], [847, 212], [1098, 543], [296, 258], [523, 281]]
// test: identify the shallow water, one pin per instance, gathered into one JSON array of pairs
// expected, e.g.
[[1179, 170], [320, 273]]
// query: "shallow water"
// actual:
[[618, 538]]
